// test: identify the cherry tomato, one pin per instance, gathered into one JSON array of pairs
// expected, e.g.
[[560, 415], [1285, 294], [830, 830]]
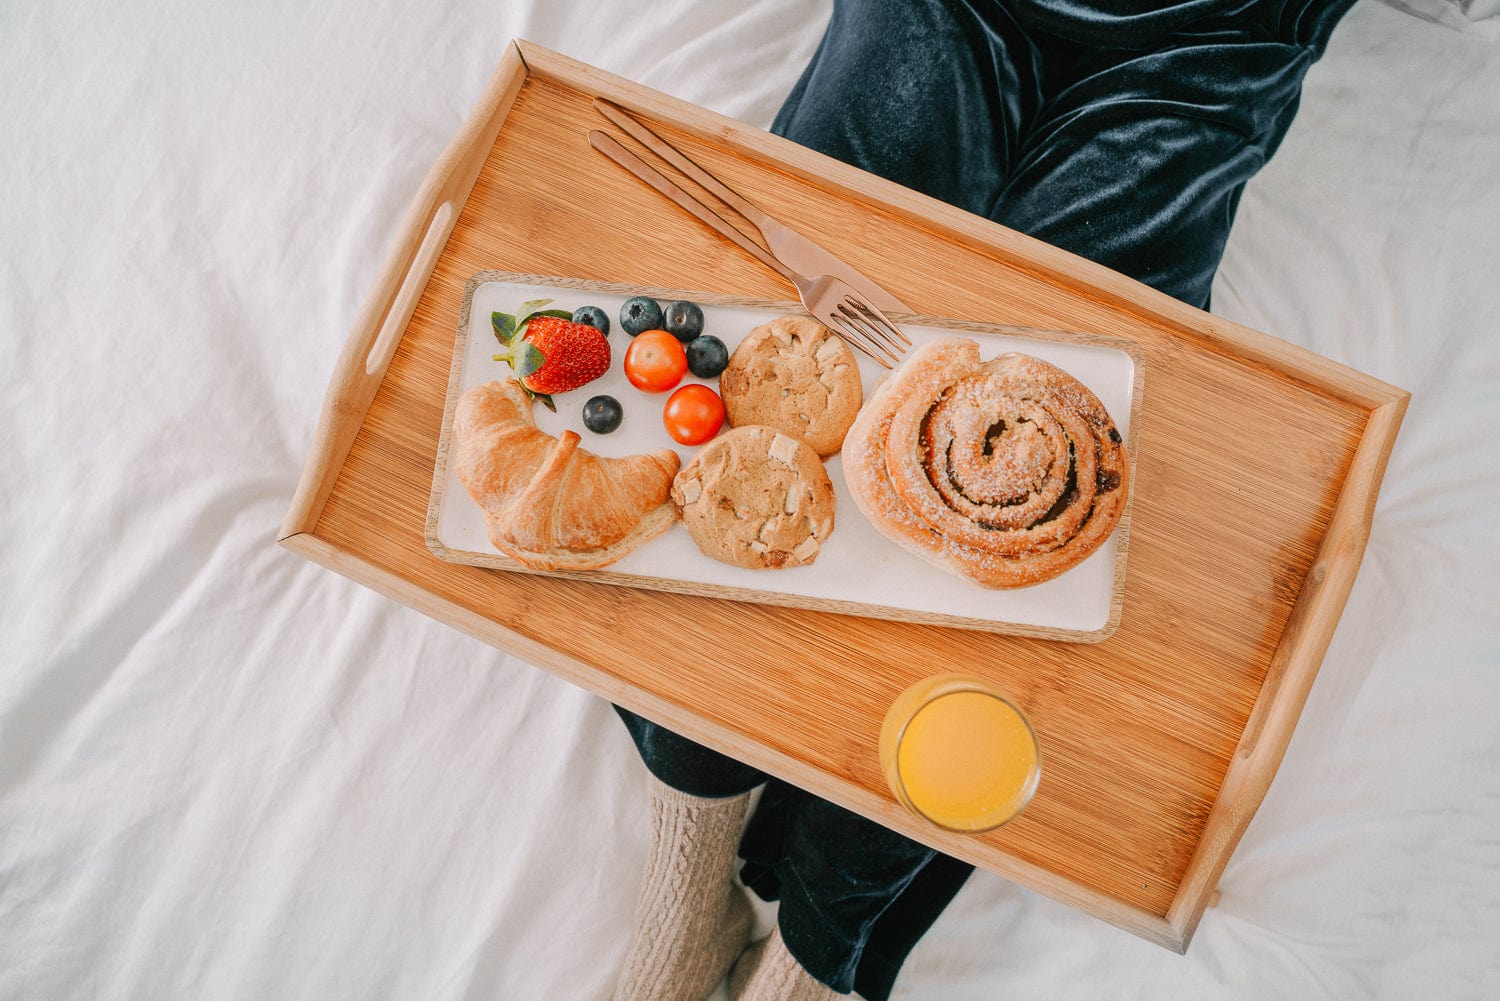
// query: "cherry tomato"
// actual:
[[693, 414], [655, 361]]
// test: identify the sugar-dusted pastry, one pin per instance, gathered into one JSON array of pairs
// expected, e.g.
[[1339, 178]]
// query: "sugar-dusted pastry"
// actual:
[[1008, 471], [548, 503], [756, 498], [796, 375]]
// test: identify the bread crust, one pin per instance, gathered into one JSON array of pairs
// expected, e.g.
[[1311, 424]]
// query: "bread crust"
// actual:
[[1008, 472], [548, 503]]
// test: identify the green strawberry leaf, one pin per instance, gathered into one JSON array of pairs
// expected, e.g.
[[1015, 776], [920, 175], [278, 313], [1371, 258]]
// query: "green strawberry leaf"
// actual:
[[561, 314], [505, 326], [527, 358], [545, 398]]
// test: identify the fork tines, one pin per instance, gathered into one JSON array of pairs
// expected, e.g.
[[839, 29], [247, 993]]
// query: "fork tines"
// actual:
[[830, 299], [867, 329]]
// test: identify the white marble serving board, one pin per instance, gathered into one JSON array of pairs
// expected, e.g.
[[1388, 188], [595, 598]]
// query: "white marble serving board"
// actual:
[[857, 568]]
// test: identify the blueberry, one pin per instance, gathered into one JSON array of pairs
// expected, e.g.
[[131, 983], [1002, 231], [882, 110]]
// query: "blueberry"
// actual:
[[683, 320], [602, 414], [707, 356], [640, 313], [594, 317]]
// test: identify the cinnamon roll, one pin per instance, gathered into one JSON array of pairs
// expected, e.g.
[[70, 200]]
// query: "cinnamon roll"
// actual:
[[1009, 471]]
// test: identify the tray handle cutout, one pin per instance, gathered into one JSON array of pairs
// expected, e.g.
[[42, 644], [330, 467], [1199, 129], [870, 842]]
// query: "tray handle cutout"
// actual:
[[410, 291], [366, 356], [377, 331]]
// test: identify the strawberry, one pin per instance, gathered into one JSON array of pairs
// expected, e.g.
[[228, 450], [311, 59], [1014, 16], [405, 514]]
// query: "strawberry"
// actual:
[[552, 355]]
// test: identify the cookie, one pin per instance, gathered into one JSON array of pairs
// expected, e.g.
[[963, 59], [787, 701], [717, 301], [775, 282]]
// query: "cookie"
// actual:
[[756, 498], [797, 376]]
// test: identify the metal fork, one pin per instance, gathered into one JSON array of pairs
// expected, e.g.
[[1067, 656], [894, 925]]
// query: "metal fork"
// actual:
[[832, 301]]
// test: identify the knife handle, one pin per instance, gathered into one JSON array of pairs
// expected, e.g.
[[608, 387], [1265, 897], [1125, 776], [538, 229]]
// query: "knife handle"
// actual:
[[647, 137], [606, 144], [788, 246]]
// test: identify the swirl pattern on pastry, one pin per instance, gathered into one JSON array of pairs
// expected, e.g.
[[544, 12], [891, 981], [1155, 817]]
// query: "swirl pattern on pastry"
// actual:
[[1009, 472]]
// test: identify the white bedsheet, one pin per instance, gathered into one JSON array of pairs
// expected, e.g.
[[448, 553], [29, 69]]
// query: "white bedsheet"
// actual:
[[226, 773]]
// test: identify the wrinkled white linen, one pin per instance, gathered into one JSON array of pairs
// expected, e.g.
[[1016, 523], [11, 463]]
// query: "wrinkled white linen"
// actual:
[[227, 773]]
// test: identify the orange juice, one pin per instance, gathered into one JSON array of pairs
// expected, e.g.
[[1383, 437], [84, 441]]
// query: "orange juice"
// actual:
[[958, 753]]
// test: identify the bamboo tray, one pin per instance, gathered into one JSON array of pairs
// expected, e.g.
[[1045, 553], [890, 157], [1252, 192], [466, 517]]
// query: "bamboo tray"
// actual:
[[858, 571], [1252, 503]]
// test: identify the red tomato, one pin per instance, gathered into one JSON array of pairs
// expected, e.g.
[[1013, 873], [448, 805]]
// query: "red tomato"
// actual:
[[655, 361], [693, 414]]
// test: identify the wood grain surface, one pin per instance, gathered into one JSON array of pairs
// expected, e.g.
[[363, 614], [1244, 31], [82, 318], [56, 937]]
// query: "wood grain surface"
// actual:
[[1252, 502]]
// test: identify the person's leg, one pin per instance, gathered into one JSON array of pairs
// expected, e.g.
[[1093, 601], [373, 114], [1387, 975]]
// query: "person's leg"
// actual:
[[819, 850], [685, 765], [838, 873], [935, 95], [932, 94], [1134, 160], [691, 920], [1138, 162], [1129, 147]]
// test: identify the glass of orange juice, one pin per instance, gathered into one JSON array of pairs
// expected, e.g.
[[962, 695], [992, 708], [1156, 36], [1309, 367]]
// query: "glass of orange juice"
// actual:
[[957, 752]]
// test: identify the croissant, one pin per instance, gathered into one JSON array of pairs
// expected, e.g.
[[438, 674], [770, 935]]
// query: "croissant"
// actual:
[[1008, 472], [548, 503]]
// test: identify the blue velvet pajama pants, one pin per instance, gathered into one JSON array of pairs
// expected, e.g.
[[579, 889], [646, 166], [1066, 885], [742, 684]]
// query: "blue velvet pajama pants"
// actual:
[[1121, 131]]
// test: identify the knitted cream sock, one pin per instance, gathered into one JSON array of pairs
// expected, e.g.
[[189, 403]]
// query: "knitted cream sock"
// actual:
[[767, 972], [691, 920]]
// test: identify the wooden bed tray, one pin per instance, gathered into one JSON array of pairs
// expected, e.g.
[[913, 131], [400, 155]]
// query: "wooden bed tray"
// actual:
[[1252, 503]]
